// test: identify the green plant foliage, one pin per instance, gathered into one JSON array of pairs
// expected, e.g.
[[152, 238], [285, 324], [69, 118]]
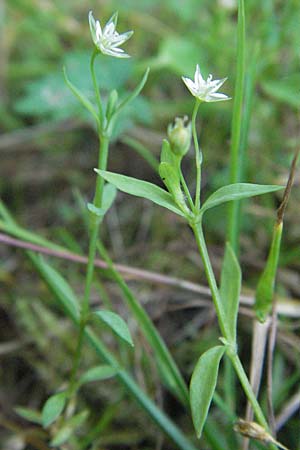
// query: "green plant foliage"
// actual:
[[53, 408], [141, 188], [237, 191], [203, 385], [59, 286], [97, 373], [266, 284], [230, 287], [69, 428], [29, 414], [116, 323], [109, 195]]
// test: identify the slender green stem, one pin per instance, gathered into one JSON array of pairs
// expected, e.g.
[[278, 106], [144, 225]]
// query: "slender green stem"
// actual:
[[96, 87], [198, 232], [186, 191], [233, 208], [94, 224], [94, 231], [197, 156], [247, 388], [197, 229]]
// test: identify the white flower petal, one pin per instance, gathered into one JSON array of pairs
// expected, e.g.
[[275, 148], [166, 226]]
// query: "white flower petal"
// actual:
[[198, 77], [217, 97], [108, 39], [216, 84], [92, 27], [205, 90]]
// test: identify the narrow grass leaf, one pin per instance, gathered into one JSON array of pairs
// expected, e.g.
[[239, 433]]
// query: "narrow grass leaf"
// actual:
[[53, 408], [142, 189], [97, 373], [167, 366], [266, 284], [203, 385], [230, 288], [116, 323], [237, 191], [58, 285]]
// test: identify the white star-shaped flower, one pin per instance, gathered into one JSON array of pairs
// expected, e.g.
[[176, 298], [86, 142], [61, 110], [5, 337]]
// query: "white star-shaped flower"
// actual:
[[206, 91], [108, 40]]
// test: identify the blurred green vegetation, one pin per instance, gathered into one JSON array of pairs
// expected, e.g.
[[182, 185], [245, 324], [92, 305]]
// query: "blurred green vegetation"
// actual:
[[48, 149]]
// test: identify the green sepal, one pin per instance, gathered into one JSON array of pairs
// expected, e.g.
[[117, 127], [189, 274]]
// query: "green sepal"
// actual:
[[171, 178]]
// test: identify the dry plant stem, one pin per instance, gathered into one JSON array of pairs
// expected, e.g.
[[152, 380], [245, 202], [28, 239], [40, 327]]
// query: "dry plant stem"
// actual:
[[286, 306], [231, 348], [259, 340], [271, 346]]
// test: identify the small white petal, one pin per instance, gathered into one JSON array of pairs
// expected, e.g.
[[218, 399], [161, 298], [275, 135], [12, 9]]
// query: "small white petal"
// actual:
[[217, 97], [108, 39], [198, 77], [205, 90]]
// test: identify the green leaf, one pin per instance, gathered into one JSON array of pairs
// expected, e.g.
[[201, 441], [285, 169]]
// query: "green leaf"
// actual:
[[171, 179], [58, 285], [203, 385], [142, 189], [53, 408], [166, 155], [230, 288], [135, 92], [81, 97], [265, 288], [116, 323], [109, 195], [237, 191], [29, 414], [97, 373], [69, 428]]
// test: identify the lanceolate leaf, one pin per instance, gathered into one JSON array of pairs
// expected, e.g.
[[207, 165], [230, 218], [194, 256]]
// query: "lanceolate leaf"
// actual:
[[141, 188], [230, 287], [237, 191], [53, 408], [97, 373], [203, 385], [116, 323], [58, 285]]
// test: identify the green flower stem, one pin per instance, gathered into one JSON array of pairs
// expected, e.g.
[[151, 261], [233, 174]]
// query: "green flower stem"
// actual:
[[96, 87], [236, 362], [236, 126], [198, 232], [186, 190], [197, 155], [94, 231], [231, 347]]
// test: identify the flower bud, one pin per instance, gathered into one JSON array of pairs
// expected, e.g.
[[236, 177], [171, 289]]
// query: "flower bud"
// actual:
[[180, 135]]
